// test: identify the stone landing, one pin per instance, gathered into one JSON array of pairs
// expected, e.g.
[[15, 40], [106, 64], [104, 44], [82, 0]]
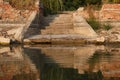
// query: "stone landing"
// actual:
[[66, 27]]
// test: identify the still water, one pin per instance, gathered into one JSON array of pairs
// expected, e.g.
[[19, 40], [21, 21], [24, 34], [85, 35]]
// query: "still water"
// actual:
[[60, 62]]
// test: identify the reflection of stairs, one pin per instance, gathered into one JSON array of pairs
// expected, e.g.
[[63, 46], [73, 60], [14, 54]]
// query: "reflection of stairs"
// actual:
[[69, 56], [59, 24], [63, 57], [85, 59]]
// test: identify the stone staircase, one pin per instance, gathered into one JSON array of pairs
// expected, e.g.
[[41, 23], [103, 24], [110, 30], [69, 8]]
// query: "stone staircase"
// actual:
[[69, 57], [64, 27], [67, 23], [59, 24]]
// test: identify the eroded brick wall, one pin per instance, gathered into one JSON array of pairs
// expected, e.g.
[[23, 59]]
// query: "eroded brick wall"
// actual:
[[110, 12]]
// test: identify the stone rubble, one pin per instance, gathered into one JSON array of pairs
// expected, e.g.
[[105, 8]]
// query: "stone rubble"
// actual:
[[112, 35]]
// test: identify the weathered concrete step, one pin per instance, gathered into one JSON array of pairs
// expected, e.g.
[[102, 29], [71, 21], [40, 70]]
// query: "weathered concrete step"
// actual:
[[63, 21], [57, 31], [66, 27], [88, 31], [59, 19], [82, 24], [57, 16], [64, 38], [31, 32], [12, 25], [60, 27], [66, 12], [51, 17], [59, 24], [65, 16]]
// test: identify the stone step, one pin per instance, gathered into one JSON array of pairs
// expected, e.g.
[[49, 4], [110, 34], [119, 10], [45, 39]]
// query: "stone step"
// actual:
[[31, 31], [86, 31], [59, 38], [57, 31], [60, 27], [58, 19], [59, 24], [66, 12], [81, 24], [65, 16], [62, 21], [58, 16], [4, 41], [67, 27], [51, 16]]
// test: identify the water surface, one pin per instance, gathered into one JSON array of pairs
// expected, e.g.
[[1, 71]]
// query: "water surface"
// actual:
[[60, 62]]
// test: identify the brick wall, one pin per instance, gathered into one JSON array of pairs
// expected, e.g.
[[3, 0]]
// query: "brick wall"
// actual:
[[110, 12], [10, 14]]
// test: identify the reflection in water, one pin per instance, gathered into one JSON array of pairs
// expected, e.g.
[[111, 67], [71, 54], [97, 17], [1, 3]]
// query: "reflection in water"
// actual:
[[15, 65], [81, 63], [60, 63]]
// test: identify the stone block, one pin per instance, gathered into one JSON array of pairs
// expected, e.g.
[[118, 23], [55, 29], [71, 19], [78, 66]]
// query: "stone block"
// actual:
[[4, 41], [100, 39]]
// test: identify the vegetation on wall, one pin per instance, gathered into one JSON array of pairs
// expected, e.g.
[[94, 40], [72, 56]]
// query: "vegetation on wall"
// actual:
[[116, 1], [52, 6], [93, 2], [96, 25], [113, 1], [73, 4]]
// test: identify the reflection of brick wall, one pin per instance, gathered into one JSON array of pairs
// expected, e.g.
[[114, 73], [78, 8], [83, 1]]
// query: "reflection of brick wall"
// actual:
[[110, 12]]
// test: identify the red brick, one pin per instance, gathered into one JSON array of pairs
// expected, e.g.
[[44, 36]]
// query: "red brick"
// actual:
[[110, 12]]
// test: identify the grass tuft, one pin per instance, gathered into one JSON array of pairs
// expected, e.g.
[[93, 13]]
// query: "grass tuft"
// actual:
[[107, 26], [94, 23]]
